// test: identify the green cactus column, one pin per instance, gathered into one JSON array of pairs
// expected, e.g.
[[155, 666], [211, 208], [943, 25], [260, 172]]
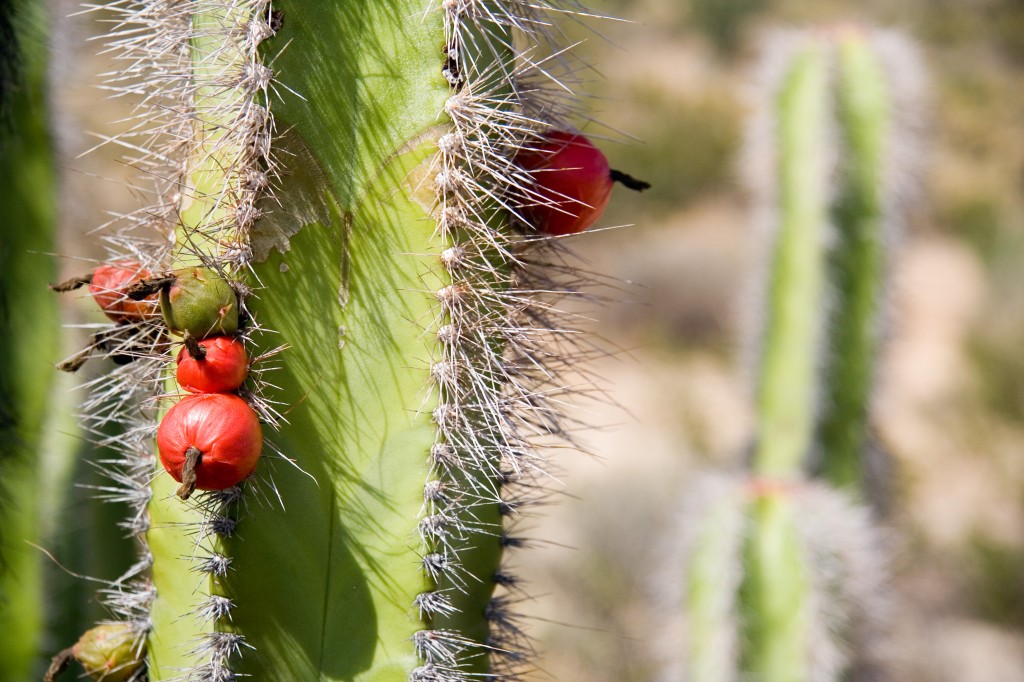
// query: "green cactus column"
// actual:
[[367, 212], [774, 594], [793, 328], [324, 571], [794, 590], [858, 262]]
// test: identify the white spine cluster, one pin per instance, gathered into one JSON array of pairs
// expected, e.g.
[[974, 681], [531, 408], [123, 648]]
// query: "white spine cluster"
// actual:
[[506, 349]]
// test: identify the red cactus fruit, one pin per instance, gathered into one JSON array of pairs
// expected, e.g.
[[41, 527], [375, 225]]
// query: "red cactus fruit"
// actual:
[[221, 368], [572, 182], [209, 441], [108, 286]]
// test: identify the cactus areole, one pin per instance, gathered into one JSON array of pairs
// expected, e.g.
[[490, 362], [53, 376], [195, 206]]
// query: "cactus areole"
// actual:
[[108, 286], [209, 441], [221, 369], [201, 302]]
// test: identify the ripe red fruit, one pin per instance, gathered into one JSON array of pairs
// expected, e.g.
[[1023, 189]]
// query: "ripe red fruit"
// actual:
[[209, 441], [108, 285], [222, 368], [572, 182]]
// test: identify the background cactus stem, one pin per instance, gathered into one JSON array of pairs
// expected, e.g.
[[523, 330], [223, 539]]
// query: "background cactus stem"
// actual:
[[858, 262], [787, 383]]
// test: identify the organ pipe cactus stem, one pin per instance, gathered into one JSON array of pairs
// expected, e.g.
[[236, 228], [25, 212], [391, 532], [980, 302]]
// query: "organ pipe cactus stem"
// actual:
[[821, 619], [775, 594], [774, 590], [858, 261], [792, 335], [833, 216], [348, 167], [35, 447]]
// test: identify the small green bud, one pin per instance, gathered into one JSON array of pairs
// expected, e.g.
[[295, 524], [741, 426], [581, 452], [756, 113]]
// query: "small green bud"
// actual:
[[109, 652], [200, 302]]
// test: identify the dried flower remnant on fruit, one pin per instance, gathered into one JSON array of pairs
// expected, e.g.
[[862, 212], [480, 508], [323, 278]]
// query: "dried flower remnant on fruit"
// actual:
[[209, 441], [111, 652], [571, 182], [221, 369], [201, 302]]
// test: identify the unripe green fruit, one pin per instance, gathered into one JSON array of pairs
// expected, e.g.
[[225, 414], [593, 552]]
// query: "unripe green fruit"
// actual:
[[109, 652], [200, 302]]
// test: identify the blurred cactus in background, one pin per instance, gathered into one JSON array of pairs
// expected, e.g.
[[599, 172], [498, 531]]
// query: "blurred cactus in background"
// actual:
[[802, 597], [29, 472]]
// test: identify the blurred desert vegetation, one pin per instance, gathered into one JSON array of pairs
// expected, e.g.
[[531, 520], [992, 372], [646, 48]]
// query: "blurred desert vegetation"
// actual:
[[670, 88]]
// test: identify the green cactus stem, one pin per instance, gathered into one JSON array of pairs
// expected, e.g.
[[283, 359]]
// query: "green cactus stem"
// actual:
[[858, 261], [773, 594], [822, 618], [830, 120], [352, 177], [713, 574], [792, 335]]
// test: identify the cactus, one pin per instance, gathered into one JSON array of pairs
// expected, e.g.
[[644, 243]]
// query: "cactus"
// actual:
[[348, 167], [878, 103], [782, 582], [808, 565]]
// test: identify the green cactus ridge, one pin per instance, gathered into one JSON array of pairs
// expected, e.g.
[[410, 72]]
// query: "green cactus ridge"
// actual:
[[348, 169]]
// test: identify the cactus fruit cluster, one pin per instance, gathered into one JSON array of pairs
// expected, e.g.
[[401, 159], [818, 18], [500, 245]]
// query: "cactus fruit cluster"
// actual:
[[210, 441], [785, 574], [383, 214]]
